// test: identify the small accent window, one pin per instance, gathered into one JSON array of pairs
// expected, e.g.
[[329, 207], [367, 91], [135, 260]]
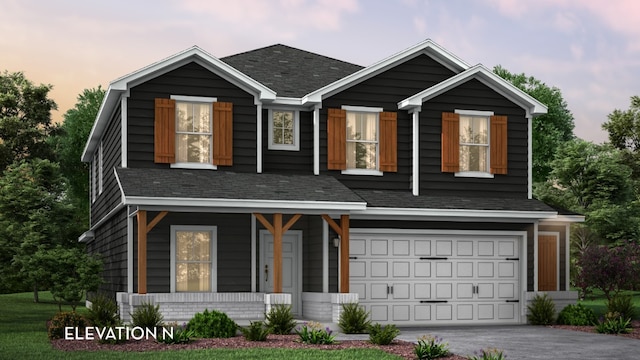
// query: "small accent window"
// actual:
[[193, 259], [284, 130]]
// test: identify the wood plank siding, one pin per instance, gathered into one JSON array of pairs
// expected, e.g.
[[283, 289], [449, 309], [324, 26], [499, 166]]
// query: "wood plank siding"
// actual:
[[110, 244], [385, 90], [472, 95], [190, 80]]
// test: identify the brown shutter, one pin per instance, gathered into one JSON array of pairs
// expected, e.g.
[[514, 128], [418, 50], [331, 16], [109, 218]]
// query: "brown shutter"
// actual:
[[337, 139], [164, 131], [223, 133], [450, 142], [498, 145], [389, 141]]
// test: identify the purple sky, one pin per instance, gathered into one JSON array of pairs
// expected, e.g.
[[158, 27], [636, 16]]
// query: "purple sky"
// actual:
[[589, 49]]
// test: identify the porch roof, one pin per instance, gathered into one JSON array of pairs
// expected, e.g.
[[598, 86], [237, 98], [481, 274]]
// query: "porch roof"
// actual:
[[226, 189]]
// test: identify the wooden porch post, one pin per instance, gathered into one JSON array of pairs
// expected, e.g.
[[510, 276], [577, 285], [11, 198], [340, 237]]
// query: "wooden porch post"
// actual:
[[142, 251], [344, 254]]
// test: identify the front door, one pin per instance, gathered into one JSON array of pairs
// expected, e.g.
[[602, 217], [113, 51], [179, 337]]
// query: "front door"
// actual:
[[291, 265]]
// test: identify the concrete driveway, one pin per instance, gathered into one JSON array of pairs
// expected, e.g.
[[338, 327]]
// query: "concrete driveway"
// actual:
[[527, 342]]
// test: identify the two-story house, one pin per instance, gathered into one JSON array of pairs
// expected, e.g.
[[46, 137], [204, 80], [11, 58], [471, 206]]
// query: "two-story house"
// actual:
[[282, 176]]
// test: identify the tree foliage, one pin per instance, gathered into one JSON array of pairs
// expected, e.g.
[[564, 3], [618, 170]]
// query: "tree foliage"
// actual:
[[550, 130], [610, 269], [624, 134], [25, 119]]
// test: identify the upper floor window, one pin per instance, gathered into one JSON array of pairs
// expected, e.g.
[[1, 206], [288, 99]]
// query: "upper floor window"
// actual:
[[284, 130], [474, 143], [193, 132], [362, 140]]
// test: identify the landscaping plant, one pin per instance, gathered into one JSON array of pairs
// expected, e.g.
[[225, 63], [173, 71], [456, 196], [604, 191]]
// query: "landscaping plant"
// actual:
[[609, 269], [488, 354], [56, 325], [280, 320], [431, 347], [542, 310], [382, 335], [256, 331], [354, 319], [181, 335], [212, 324], [103, 311], [578, 315], [622, 304], [147, 316], [313, 333], [614, 323]]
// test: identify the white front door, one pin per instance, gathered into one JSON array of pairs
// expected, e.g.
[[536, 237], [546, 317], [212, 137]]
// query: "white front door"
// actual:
[[291, 265]]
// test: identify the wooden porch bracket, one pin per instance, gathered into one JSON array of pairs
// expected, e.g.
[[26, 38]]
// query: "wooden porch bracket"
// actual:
[[143, 230], [343, 231], [277, 230]]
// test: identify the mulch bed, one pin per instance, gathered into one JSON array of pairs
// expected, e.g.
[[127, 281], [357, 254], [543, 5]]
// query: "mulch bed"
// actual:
[[635, 334]]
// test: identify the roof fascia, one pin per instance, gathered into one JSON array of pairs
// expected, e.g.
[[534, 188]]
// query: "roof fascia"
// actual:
[[427, 47], [487, 77], [456, 213]]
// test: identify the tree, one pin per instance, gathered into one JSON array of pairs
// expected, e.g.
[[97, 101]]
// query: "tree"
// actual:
[[624, 133], [35, 214], [69, 144], [25, 119], [610, 269], [551, 130]]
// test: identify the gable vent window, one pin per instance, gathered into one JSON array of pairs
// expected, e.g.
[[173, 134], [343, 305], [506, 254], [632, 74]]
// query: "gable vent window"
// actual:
[[193, 132]]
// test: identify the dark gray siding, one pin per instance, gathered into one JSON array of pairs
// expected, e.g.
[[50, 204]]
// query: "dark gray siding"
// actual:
[[562, 256], [312, 261], [191, 80], [472, 95], [385, 90], [427, 225], [110, 243], [284, 161], [111, 157], [233, 250]]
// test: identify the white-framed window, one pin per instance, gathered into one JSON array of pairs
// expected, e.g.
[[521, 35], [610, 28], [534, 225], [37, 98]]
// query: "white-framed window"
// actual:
[[362, 151], [100, 168], [194, 132], [474, 143], [193, 258], [94, 177], [284, 129]]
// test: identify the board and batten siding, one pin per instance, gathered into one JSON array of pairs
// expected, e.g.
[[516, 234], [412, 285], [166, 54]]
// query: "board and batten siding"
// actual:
[[473, 95], [110, 244], [233, 250], [190, 80], [111, 157], [385, 90], [289, 161]]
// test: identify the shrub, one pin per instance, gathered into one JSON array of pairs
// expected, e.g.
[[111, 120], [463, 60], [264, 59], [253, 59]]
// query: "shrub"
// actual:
[[181, 335], [578, 315], [212, 324], [430, 347], [61, 320], [542, 311], [488, 354], [280, 320], [313, 333], [103, 311], [353, 319], [623, 305], [610, 269], [147, 316], [613, 323], [256, 331], [382, 335]]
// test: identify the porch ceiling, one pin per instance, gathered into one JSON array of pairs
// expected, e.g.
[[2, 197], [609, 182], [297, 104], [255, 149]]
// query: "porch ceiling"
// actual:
[[225, 189]]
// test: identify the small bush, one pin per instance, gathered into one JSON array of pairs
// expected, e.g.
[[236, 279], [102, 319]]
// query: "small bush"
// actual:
[[280, 320], [353, 319], [488, 354], [212, 324], [181, 335], [103, 312], [542, 311], [256, 331], [614, 323], [430, 347], [623, 305], [61, 320], [313, 333], [147, 316], [578, 315], [382, 335]]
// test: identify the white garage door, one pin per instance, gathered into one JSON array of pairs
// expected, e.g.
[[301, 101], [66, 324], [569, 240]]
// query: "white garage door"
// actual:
[[409, 279]]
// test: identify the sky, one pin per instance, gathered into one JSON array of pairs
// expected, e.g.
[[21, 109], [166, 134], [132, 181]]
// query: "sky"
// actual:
[[589, 49]]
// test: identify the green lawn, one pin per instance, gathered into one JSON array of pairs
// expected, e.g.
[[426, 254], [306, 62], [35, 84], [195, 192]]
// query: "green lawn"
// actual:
[[23, 335], [597, 302]]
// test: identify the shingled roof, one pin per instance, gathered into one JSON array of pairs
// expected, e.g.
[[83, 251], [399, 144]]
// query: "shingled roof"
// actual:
[[289, 71]]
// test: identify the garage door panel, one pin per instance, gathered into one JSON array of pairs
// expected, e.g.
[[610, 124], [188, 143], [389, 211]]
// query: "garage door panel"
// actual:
[[360, 289], [506, 290], [401, 291], [422, 291], [464, 312], [380, 247], [358, 269], [401, 312], [485, 248], [401, 248], [464, 248], [464, 290], [507, 311], [401, 269], [422, 269], [357, 247], [486, 291], [485, 269], [444, 269], [379, 291], [379, 313], [486, 312], [444, 312], [444, 291], [422, 312], [379, 269], [444, 247], [464, 269], [422, 247]]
